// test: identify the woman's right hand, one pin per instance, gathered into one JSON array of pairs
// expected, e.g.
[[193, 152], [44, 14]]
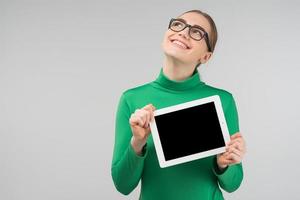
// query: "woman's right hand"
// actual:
[[139, 123]]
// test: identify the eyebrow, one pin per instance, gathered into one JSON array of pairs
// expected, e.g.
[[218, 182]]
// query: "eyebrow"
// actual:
[[198, 26]]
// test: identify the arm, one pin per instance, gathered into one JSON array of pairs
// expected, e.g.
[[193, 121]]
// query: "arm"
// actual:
[[127, 166], [230, 178]]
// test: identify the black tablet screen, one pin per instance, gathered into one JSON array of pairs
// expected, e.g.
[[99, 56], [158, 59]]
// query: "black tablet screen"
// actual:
[[188, 131]]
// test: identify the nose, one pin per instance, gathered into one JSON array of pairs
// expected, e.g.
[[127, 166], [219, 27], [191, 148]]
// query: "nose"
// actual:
[[185, 32]]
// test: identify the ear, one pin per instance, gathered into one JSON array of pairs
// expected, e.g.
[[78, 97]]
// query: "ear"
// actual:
[[206, 56]]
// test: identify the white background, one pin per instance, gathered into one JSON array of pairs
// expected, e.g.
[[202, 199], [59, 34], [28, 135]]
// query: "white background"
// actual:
[[64, 64]]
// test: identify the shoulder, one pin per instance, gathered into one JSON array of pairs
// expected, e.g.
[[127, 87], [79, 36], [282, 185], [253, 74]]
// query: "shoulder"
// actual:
[[136, 91], [220, 91], [226, 96], [135, 96]]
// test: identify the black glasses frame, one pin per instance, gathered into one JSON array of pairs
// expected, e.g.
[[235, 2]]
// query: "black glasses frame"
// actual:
[[190, 26]]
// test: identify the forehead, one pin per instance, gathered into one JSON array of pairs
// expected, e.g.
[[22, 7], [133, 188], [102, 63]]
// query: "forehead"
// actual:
[[193, 18]]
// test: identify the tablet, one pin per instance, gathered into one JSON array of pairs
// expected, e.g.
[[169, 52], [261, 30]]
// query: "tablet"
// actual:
[[189, 131]]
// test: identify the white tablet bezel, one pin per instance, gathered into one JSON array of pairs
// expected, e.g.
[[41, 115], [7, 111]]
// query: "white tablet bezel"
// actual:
[[217, 102]]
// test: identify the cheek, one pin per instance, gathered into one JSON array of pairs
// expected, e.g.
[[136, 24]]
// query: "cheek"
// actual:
[[166, 37], [198, 50], [165, 42]]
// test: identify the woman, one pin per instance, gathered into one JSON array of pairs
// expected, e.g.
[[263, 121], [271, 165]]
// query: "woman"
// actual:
[[189, 41]]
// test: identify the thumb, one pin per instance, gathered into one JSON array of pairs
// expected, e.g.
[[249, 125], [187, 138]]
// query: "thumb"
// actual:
[[149, 107], [236, 135]]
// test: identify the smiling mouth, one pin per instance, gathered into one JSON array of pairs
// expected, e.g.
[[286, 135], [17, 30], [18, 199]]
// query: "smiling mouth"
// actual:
[[179, 44]]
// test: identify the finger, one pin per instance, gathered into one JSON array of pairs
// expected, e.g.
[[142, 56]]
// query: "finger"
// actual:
[[236, 138], [149, 107], [132, 120], [224, 155], [148, 132], [143, 114], [227, 161], [236, 146], [240, 139], [152, 106], [229, 158], [234, 158], [236, 135], [230, 162], [152, 116], [135, 120], [149, 117], [240, 144], [140, 121], [224, 161], [236, 141], [235, 151], [228, 143], [139, 114], [147, 114]]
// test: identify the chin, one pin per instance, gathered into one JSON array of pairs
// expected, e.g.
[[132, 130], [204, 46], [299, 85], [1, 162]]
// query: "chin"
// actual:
[[173, 52]]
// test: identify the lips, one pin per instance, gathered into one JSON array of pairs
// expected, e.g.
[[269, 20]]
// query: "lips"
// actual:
[[181, 43]]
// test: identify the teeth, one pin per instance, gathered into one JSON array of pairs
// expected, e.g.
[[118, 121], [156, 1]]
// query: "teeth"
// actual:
[[180, 43]]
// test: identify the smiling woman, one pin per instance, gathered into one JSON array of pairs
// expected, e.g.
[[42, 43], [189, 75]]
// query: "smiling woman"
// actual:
[[188, 42], [196, 32], [204, 28]]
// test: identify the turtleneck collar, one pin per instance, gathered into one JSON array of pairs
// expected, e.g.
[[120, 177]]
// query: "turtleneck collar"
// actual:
[[185, 84]]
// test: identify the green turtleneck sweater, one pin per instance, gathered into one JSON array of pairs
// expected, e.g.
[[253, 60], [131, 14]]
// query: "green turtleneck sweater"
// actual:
[[195, 180]]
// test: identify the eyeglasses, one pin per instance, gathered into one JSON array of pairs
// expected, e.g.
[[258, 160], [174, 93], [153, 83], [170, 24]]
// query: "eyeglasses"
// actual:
[[196, 32]]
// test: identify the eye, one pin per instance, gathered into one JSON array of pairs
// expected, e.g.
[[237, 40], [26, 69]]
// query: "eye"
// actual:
[[197, 32], [177, 24]]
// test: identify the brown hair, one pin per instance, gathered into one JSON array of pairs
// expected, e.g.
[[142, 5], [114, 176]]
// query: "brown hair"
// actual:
[[213, 35]]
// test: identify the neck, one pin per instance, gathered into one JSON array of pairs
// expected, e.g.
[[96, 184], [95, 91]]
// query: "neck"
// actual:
[[177, 70]]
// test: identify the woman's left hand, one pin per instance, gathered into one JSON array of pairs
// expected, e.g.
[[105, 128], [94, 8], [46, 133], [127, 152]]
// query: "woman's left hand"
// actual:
[[235, 150]]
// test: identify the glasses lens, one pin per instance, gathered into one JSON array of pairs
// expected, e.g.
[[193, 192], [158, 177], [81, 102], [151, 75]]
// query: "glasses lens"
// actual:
[[177, 25], [197, 33]]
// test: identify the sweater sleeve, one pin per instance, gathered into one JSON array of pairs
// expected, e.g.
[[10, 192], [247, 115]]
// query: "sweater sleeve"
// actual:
[[126, 166], [231, 177]]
